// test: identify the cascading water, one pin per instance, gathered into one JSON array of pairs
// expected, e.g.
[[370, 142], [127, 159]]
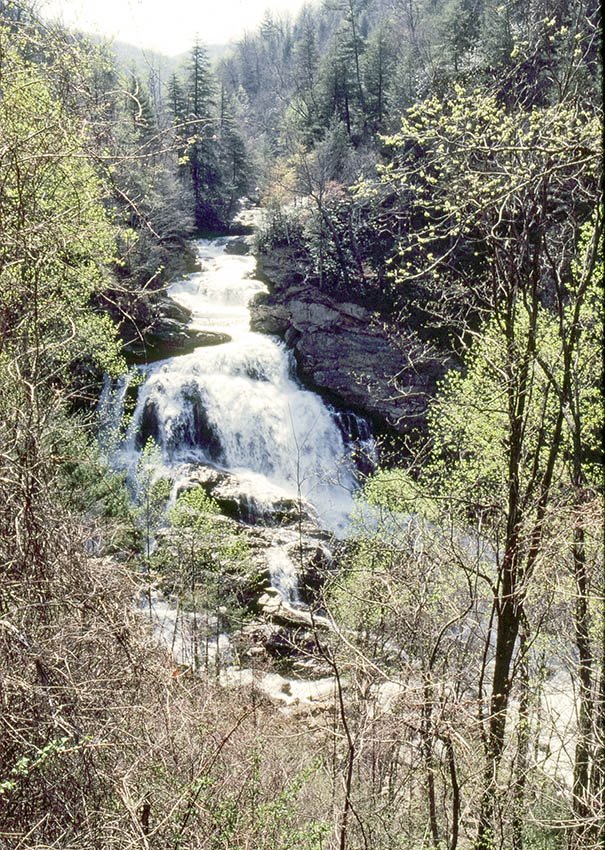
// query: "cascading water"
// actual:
[[237, 406]]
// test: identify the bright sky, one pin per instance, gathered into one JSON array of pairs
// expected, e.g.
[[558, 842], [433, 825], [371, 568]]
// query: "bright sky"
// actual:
[[169, 26]]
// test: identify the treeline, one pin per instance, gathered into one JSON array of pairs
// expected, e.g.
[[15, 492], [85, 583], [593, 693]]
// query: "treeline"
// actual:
[[322, 93], [168, 155]]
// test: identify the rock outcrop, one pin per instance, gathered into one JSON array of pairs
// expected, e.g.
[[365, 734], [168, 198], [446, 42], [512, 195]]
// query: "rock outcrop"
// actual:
[[283, 533], [346, 350]]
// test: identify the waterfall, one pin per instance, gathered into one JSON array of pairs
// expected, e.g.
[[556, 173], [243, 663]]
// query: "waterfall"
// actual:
[[239, 408], [110, 411], [359, 438]]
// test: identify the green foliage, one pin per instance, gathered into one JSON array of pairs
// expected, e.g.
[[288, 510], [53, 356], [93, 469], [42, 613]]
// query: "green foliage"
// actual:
[[378, 64], [212, 153], [56, 234], [152, 492], [87, 486], [470, 418], [395, 491], [192, 508], [485, 194], [153, 489], [205, 537], [458, 27], [335, 235], [27, 764], [204, 559], [469, 172], [280, 228]]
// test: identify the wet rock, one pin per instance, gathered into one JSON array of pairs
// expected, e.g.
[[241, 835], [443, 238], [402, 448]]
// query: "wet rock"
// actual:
[[165, 307], [246, 221], [272, 604], [168, 338], [317, 566], [312, 667], [149, 427], [167, 333], [238, 502], [293, 646], [288, 554], [263, 639], [239, 247], [204, 434], [268, 318]]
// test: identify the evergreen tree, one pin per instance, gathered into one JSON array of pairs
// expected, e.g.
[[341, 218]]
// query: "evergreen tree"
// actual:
[[378, 63], [305, 77], [234, 164], [337, 85], [202, 151], [458, 24], [139, 108], [342, 72], [177, 100]]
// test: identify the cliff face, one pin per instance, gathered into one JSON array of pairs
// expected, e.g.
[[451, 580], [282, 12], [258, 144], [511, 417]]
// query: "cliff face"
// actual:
[[346, 350]]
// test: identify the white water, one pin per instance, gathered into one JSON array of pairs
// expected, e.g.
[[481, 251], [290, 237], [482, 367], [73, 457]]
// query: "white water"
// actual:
[[236, 405]]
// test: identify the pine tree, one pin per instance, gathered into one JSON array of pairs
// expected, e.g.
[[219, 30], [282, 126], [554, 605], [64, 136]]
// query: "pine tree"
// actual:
[[203, 156], [233, 155], [305, 74], [378, 64], [139, 109]]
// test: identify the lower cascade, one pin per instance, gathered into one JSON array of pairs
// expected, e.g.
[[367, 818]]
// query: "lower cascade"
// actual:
[[238, 406]]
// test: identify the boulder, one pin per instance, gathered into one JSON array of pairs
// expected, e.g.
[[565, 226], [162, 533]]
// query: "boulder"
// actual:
[[268, 318], [262, 638], [312, 316], [164, 307], [236, 500], [288, 549], [170, 335], [239, 247], [272, 604], [167, 333]]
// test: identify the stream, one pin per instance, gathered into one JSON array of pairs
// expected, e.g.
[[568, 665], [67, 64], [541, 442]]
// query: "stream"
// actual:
[[238, 407]]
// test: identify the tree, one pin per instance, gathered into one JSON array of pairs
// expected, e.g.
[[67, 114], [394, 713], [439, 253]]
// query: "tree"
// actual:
[[212, 154], [56, 234], [458, 24], [305, 74], [353, 40], [233, 154], [337, 86], [378, 65], [202, 154], [511, 189], [138, 105], [205, 562], [56, 237]]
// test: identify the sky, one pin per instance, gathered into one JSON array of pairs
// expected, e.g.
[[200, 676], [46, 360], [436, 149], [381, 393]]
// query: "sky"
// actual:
[[168, 26]]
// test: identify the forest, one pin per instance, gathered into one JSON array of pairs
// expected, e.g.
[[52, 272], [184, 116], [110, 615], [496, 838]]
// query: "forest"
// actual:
[[301, 433]]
